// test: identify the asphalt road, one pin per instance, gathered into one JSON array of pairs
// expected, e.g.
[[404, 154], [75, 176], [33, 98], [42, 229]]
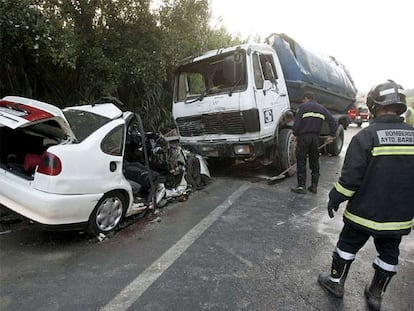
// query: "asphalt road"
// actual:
[[238, 244]]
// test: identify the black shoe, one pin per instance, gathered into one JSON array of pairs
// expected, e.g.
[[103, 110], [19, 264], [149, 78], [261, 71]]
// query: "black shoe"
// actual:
[[299, 189], [313, 189]]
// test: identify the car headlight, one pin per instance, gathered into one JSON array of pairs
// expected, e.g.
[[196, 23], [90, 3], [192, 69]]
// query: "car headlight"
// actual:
[[241, 149]]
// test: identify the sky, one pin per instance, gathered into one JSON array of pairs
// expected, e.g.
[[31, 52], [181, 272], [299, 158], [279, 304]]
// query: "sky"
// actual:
[[374, 39]]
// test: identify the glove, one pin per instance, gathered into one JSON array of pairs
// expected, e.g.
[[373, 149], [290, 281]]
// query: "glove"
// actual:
[[330, 139], [332, 207]]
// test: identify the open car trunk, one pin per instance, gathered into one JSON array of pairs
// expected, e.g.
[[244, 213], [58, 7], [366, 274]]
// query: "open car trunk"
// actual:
[[21, 149], [27, 129]]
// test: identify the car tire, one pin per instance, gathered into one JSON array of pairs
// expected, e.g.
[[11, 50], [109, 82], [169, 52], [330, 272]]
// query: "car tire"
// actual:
[[335, 147], [108, 213]]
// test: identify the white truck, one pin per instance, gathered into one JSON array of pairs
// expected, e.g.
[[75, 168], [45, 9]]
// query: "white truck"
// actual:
[[239, 102]]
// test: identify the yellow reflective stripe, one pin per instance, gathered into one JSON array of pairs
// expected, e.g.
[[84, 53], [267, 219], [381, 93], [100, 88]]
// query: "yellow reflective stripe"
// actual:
[[392, 150], [314, 115], [380, 226], [341, 189]]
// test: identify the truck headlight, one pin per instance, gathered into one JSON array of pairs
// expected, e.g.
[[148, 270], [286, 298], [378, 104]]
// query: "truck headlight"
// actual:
[[241, 149]]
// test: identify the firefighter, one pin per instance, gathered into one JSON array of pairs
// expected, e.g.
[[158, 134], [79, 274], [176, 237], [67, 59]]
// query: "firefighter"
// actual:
[[376, 180], [307, 128]]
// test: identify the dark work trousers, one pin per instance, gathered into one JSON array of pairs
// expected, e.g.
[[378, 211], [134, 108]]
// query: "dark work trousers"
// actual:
[[352, 239], [308, 145]]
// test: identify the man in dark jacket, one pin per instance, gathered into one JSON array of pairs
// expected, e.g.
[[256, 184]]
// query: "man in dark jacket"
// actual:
[[307, 128], [376, 179]]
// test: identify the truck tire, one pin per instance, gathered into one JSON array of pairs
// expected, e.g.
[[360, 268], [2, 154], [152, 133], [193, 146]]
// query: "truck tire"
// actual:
[[193, 174], [335, 148], [287, 151]]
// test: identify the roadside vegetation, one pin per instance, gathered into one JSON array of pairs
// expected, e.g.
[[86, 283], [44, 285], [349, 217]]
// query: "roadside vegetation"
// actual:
[[69, 52]]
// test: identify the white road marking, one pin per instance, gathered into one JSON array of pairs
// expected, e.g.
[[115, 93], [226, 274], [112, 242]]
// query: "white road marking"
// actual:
[[140, 284], [242, 259], [311, 211]]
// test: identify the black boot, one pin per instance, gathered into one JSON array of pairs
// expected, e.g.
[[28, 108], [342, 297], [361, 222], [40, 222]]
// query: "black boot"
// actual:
[[314, 186], [375, 291], [301, 183], [335, 281]]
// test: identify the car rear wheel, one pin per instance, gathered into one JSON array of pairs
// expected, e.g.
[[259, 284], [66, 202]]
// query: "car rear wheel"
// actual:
[[108, 213]]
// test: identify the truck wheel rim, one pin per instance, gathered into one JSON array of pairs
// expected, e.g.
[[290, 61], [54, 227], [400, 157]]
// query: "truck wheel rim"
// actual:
[[109, 214]]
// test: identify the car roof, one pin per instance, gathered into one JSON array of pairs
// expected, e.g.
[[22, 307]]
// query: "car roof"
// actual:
[[107, 110]]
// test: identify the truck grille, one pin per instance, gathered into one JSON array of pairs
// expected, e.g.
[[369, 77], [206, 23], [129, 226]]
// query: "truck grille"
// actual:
[[235, 123]]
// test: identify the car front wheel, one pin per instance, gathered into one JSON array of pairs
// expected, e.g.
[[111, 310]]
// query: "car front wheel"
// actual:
[[108, 213]]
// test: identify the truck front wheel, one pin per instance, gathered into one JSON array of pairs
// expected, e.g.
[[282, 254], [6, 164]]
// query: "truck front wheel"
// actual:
[[336, 147], [287, 151]]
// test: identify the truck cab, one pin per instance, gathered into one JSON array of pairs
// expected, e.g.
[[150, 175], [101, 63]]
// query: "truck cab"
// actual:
[[233, 103]]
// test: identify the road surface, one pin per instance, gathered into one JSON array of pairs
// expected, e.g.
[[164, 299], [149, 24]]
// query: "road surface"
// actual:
[[237, 244]]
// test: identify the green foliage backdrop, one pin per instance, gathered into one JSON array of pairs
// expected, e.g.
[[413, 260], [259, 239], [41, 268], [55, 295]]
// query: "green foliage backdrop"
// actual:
[[69, 52]]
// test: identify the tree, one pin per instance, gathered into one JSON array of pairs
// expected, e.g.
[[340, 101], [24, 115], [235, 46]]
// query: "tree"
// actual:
[[31, 44], [69, 52]]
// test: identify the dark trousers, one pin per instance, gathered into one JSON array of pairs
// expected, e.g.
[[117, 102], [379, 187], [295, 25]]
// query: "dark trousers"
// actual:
[[308, 145], [352, 239]]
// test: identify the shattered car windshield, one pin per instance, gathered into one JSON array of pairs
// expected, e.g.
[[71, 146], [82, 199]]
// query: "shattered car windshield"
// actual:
[[84, 123], [222, 74]]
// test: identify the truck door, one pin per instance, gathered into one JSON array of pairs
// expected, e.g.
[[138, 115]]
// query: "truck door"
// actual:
[[267, 97]]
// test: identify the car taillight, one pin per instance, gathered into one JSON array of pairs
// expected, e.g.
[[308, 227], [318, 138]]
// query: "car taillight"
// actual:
[[50, 165]]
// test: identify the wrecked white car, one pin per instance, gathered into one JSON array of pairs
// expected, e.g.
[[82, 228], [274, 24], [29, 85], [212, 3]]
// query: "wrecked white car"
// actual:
[[86, 167]]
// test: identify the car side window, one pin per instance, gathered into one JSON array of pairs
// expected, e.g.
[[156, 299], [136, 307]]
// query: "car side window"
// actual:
[[113, 142]]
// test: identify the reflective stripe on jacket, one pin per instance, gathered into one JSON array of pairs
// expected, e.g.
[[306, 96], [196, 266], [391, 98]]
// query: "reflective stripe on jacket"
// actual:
[[310, 117]]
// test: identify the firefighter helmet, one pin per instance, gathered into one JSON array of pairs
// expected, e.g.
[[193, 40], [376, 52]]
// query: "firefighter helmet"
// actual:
[[385, 94]]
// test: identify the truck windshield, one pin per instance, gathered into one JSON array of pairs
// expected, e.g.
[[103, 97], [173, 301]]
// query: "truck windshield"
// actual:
[[224, 73]]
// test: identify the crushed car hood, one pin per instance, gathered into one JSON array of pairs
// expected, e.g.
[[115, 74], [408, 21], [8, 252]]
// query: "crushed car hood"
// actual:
[[18, 112]]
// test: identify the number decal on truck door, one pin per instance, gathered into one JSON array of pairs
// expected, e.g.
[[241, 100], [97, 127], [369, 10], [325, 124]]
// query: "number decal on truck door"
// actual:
[[268, 115]]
